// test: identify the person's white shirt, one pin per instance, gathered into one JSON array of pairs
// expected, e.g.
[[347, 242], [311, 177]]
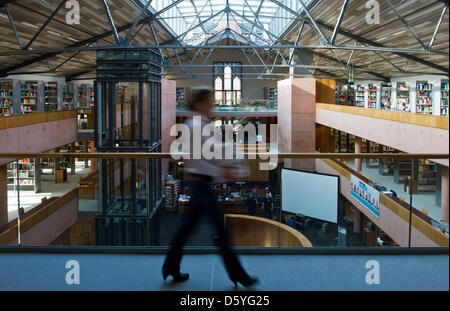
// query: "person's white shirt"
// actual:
[[200, 166]]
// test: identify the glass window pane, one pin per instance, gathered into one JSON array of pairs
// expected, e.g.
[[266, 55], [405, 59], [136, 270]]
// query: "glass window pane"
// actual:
[[236, 84], [227, 78], [218, 95], [218, 84], [229, 97]]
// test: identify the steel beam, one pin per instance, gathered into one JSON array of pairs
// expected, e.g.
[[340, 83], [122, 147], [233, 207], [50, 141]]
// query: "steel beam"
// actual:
[[11, 21], [378, 45], [339, 22], [45, 24], [300, 31], [111, 22], [249, 46], [95, 38], [137, 19], [405, 23], [438, 25]]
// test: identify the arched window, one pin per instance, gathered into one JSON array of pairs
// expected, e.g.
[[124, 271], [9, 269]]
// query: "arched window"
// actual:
[[218, 88], [227, 82], [227, 78]]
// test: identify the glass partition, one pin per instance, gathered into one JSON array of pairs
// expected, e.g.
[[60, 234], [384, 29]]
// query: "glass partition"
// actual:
[[141, 201]]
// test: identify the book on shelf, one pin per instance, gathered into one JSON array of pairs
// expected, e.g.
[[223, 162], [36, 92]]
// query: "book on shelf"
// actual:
[[403, 93], [444, 98], [22, 173], [6, 98], [29, 95], [424, 98], [51, 96], [386, 94]]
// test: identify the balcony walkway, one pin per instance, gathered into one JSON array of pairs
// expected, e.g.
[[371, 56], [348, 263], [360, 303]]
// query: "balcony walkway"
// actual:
[[284, 271]]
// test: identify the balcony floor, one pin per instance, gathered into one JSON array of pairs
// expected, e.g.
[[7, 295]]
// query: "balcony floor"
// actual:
[[277, 272]]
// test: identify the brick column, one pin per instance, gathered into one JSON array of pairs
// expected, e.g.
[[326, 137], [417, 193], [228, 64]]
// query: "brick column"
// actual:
[[297, 120]]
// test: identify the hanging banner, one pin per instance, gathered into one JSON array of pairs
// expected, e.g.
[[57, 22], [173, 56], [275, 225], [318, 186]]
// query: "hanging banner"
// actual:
[[366, 195]]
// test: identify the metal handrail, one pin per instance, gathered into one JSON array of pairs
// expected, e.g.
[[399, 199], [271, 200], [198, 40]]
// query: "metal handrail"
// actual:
[[157, 155]]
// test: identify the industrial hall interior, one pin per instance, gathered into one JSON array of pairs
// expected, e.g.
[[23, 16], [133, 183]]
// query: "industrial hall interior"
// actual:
[[348, 101]]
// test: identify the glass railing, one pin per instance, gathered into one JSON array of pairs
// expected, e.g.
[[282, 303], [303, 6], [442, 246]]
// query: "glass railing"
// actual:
[[304, 200], [244, 105]]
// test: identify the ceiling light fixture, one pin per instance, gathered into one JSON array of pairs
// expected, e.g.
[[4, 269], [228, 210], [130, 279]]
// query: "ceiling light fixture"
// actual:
[[29, 25], [54, 33]]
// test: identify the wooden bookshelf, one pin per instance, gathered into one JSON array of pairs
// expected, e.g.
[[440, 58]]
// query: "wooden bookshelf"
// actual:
[[29, 96], [51, 96], [6, 98], [386, 166], [427, 176], [182, 94], [386, 95], [372, 99], [424, 97], [444, 98], [91, 97], [83, 96], [350, 95], [370, 147], [403, 101], [360, 96], [402, 169], [172, 193], [68, 96], [25, 173], [340, 95], [270, 93]]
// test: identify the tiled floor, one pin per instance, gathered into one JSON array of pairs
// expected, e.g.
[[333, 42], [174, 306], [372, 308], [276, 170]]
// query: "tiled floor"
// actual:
[[276, 272]]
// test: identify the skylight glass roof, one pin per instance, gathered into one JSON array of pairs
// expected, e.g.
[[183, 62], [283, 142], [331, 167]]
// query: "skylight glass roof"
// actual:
[[195, 21]]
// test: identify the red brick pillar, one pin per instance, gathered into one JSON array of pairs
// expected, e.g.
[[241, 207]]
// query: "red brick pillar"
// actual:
[[297, 120]]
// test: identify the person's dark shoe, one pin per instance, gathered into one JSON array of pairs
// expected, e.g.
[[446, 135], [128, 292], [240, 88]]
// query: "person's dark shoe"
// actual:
[[177, 276], [246, 281]]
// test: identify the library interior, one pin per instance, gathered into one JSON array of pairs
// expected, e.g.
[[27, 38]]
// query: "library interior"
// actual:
[[351, 96]]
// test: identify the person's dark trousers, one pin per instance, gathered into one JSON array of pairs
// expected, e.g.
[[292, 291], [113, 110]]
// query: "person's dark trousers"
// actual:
[[252, 211], [268, 213], [203, 202]]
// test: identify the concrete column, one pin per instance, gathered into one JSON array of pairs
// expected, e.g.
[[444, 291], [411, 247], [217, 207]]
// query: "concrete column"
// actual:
[[444, 193], [17, 88], [357, 221], [37, 175], [94, 162], [60, 90], [72, 160], [40, 104], [3, 196], [76, 104], [86, 150], [358, 149]]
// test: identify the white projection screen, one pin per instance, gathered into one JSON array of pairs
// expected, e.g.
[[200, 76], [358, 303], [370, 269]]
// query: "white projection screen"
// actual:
[[310, 194]]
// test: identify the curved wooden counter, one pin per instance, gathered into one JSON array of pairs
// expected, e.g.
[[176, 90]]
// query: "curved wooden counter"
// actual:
[[257, 231]]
